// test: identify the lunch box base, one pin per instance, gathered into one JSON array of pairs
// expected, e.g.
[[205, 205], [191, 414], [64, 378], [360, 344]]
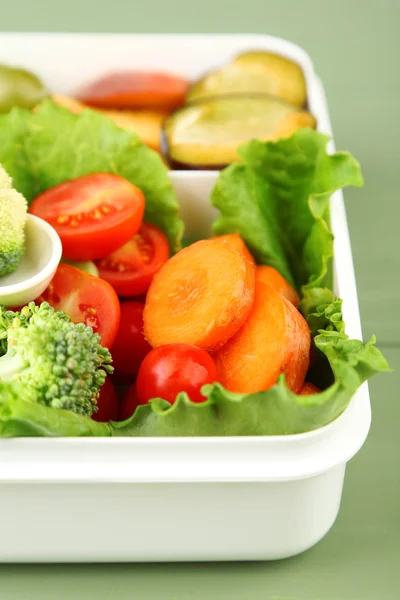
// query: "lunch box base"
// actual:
[[162, 522], [177, 499]]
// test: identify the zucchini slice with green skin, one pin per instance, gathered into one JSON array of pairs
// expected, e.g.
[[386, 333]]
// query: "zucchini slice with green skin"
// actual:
[[19, 87], [206, 134], [86, 265], [255, 72]]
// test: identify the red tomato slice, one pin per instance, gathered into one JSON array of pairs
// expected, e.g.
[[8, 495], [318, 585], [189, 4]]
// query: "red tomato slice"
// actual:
[[173, 368], [129, 403], [107, 404], [93, 215], [85, 299], [130, 347], [131, 269]]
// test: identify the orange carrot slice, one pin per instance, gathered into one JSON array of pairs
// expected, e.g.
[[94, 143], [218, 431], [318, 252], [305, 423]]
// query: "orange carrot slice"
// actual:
[[68, 102], [309, 389], [238, 243], [273, 278], [275, 339], [201, 296], [145, 123]]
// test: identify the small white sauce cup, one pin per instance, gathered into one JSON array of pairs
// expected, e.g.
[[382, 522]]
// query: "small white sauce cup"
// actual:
[[42, 256]]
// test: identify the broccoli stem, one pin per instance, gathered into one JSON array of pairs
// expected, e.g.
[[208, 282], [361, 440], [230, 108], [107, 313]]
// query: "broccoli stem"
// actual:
[[11, 364]]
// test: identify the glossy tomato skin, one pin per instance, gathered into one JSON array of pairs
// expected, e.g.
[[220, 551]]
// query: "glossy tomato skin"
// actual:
[[107, 404], [130, 346], [131, 269], [134, 90], [93, 215], [173, 368], [129, 403], [85, 299]]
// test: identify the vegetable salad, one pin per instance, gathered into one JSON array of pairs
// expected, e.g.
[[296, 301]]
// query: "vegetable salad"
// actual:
[[238, 334], [193, 124]]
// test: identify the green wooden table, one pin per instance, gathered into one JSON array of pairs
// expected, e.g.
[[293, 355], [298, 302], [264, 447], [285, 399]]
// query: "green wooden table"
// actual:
[[355, 46]]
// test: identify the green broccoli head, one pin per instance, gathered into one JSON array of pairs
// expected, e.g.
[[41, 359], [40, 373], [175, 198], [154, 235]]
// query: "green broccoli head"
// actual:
[[6, 318], [58, 363], [14, 390], [9, 391], [13, 211]]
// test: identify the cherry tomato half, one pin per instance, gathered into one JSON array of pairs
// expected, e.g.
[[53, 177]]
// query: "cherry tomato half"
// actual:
[[93, 215], [173, 368], [130, 347], [131, 269], [85, 299], [129, 403], [107, 404]]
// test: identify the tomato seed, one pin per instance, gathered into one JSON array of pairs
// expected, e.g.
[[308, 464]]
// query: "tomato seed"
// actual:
[[89, 316]]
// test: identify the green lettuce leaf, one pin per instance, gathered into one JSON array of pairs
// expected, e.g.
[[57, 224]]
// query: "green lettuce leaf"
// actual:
[[40, 150], [19, 417], [277, 411], [278, 200], [322, 310], [13, 155]]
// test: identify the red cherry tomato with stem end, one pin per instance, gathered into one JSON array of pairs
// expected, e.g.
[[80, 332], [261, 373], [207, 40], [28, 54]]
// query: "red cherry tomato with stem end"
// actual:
[[173, 368]]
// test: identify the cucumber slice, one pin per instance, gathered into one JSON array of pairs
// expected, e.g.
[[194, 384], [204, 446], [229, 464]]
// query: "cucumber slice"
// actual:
[[87, 265], [255, 72], [207, 134]]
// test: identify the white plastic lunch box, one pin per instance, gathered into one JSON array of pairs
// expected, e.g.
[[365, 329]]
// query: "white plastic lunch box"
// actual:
[[176, 499]]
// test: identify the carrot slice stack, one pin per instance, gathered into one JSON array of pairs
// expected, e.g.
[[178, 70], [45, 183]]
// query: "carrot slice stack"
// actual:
[[235, 240], [267, 274], [201, 296], [272, 277], [275, 339]]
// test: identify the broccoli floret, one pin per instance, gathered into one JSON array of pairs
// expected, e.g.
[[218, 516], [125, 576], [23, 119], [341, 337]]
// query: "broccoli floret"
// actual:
[[13, 211], [11, 390], [58, 363], [6, 318], [8, 392]]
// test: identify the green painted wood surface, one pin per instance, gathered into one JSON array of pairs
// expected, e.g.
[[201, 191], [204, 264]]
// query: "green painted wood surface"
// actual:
[[355, 45]]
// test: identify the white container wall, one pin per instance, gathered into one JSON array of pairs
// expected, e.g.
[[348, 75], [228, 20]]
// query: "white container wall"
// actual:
[[186, 499]]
